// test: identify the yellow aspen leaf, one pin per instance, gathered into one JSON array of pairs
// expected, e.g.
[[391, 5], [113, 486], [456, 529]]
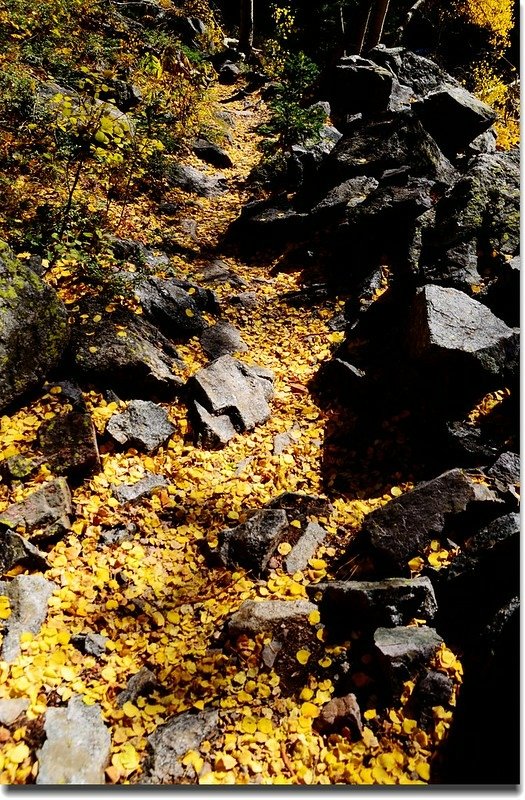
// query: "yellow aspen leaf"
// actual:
[[409, 725], [18, 754], [423, 770], [370, 713], [130, 710], [310, 710], [303, 656], [189, 312], [265, 725], [225, 762], [93, 349], [173, 617], [249, 725], [295, 523], [284, 548], [314, 617], [122, 334]]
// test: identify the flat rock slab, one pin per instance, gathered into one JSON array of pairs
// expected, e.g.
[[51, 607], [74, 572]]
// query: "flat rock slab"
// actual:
[[15, 550], [76, 750], [404, 652], [268, 616], [69, 444], [222, 339], [143, 425], [170, 742], [406, 525], [227, 387], [34, 328], [193, 180], [360, 605], [45, 509], [448, 325], [28, 596], [132, 493], [212, 154], [305, 548]]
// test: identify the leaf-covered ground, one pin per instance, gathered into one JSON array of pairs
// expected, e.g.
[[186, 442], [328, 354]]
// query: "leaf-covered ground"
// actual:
[[155, 597]]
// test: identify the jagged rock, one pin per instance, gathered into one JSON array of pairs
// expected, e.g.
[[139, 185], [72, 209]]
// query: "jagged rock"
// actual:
[[33, 329], [419, 74], [339, 713], [506, 470], [11, 709], [361, 605], [43, 512], [167, 305], [124, 94], [304, 549], [222, 339], [69, 444], [339, 376], [213, 432], [269, 616], [123, 352], [391, 142], [484, 143], [15, 550], [117, 535], [432, 689], [403, 652], [454, 117], [406, 525], [170, 742], [212, 154], [192, 180], [219, 272], [143, 425], [139, 685], [456, 267], [359, 85], [227, 387], [456, 333], [229, 73], [268, 226], [132, 493], [28, 596], [19, 468], [502, 295], [300, 506], [252, 543], [90, 644], [76, 750], [348, 194]]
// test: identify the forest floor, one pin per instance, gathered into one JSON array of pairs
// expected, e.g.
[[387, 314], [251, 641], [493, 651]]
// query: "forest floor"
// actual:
[[154, 596]]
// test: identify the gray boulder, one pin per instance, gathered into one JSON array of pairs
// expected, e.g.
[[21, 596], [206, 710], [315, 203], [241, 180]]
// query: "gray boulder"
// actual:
[[454, 117], [192, 180], [213, 432], [222, 339], [252, 543], [168, 745], [454, 331], [43, 513], [33, 329], [506, 470], [69, 444], [360, 85], [166, 304], [143, 425], [212, 154], [15, 550], [12, 708], [77, 746], [421, 75], [269, 616], [28, 596], [346, 195], [403, 653], [406, 525], [139, 685], [132, 493], [305, 548], [339, 713], [90, 644], [361, 605]]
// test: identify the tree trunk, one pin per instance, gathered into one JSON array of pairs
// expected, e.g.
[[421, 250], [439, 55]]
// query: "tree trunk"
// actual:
[[376, 23], [246, 27]]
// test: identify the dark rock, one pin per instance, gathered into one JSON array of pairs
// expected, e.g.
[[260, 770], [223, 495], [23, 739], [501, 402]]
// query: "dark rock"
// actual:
[[15, 550], [301, 506], [269, 616], [212, 154], [456, 267], [110, 536], [484, 143], [45, 509], [456, 333], [143, 425], [493, 543], [359, 85], [77, 746], [247, 300], [70, 392], [33, 329], [420, 74], [341, 378], [404, 652], [69, 444], [361, 605], [90, 644], [222, 339], [470, 443], [170, 307], [252, 543], [502, 295], [212, 432], [432, 689], [229, 73], [347, 195], [406, 525], [192, 180], [170, 742], [124, 352], [268, 227], [28, 596], [229, 387], [124, 94], [390, 142], [142, 684], [340, 713], [219, 272], [454, 117], [19, 468], [132, 493], [506, 470]]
